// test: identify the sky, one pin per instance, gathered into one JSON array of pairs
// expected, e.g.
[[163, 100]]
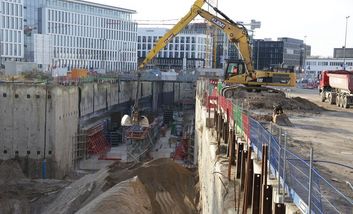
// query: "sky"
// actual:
[[320, 24]]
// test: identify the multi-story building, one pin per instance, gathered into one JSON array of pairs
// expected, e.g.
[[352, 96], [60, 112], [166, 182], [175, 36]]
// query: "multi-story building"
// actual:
[[314, 65], [285, 52], [343, 53], [80, 34], [221, 45], [186, 50], [11, 30], [267, 53]]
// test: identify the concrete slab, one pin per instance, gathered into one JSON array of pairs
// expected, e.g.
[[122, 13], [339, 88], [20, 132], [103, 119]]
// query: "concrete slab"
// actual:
[[162, 148], [94, 164], [118, 152]]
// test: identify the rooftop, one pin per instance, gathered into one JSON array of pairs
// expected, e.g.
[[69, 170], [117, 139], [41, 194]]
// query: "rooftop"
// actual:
[[103, 6]]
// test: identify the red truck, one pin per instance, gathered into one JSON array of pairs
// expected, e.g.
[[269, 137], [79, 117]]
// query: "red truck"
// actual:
[[337, 87]]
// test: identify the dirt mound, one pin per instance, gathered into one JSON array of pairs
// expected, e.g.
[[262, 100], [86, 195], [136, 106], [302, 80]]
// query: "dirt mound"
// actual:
[[129, 196], [306, 104], [262, 117], [78, 193], [266, 100], [160, 186], [282, 120], [170, 186], [13, 205], [10, 171]]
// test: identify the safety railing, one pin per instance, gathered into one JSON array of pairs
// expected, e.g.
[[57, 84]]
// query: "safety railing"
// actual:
[[291, 170]]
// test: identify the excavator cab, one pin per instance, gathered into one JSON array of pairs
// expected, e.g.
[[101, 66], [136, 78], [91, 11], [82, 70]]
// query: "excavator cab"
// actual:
[[234, 68]]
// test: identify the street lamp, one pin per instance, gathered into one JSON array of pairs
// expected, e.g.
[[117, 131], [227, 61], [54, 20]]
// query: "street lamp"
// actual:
[[344, 47], [304, 57]]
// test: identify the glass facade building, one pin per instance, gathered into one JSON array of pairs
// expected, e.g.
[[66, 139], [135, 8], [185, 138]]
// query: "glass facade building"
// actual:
[[267, 54], [285, 52], [11, 30], [83, 34]]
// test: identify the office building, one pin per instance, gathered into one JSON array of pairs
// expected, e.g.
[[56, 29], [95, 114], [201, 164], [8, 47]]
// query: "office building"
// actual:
[[187, 50], [220, 42], [80, 34], [316, 64], [285, 52], [343, 53], [11, 30]]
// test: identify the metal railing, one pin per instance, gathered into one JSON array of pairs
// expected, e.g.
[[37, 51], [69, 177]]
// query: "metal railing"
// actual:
[[291, 170]]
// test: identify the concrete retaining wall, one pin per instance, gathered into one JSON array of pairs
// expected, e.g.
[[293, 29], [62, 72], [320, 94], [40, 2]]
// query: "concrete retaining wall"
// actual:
[[217, 193], [22, 115], [30, 134]]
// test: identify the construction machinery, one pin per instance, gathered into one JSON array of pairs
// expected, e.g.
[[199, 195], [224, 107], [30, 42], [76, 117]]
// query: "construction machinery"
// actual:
[[337, 87], [136, 121], [238, 72]]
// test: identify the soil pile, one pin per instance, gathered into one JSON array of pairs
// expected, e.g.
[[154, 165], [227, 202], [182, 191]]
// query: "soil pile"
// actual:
[[78, 193], [158, 186], [118, 199], [21, 195], [266, 100], [169, 186], [11, 199], [282, 120], [10, 172]]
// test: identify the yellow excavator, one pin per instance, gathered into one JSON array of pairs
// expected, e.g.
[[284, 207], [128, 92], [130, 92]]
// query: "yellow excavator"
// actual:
[[239, 72]]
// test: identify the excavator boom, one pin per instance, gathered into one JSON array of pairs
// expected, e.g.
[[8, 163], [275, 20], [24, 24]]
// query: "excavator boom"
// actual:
[[238, 35], [162, 42]]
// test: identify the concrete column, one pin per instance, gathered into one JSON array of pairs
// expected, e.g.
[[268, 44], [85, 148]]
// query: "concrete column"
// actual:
[[155, 92]]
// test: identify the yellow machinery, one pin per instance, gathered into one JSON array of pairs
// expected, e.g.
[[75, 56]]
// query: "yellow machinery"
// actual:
[[241, 72]]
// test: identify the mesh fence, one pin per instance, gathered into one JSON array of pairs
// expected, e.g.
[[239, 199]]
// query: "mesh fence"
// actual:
[[294, 171], [291, 169]]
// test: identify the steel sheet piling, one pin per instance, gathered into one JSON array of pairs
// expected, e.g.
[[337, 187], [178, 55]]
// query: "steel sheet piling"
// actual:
[[280, 208], [242, 174], [256, 194], [267, 200], [239, 159]]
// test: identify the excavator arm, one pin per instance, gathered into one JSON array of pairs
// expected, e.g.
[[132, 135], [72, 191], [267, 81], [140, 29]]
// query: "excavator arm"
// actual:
[[238, 35], [162, 42]]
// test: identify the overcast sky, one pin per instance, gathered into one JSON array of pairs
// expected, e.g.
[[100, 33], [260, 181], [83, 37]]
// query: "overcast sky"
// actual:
[[322, 22]]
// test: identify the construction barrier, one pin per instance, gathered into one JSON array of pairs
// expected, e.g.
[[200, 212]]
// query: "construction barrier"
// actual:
[[291, 170]]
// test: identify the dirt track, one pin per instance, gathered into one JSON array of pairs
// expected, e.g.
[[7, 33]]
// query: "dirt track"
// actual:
[[331, 136]]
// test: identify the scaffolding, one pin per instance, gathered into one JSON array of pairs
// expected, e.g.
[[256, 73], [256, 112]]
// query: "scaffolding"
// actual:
[[140, 140], [90, 142]]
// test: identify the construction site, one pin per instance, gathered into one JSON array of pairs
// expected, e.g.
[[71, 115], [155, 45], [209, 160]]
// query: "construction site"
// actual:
[[230, 140]]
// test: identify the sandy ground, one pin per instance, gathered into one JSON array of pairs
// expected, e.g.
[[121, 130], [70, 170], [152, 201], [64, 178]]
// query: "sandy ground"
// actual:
[[329, 133]]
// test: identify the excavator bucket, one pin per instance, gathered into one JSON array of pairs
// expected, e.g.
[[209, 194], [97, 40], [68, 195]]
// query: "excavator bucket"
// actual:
[[143, 121], [281, 120], [126, 120]]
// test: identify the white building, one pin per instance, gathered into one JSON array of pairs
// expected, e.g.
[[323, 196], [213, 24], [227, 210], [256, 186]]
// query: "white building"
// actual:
[[81, 35], [184, 46], [43, 50], [11, 30], [314, 65]]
